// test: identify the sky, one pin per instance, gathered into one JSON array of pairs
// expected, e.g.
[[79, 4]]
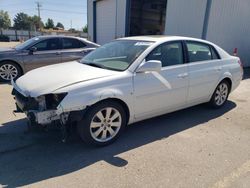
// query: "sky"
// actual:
[[64, 11]]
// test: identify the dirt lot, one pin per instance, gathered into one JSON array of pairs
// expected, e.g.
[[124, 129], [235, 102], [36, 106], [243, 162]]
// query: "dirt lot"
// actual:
[[196, 147], [8, 44]]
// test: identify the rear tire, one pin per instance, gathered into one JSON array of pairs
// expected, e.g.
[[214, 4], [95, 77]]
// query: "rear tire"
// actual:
[[102, 124], [220, 95], [9, 70]]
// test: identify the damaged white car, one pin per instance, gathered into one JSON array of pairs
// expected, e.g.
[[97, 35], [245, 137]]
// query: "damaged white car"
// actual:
[[125, 81]]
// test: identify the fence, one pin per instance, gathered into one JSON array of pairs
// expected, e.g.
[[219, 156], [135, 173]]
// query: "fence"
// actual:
[[22, 35], [19, 35]]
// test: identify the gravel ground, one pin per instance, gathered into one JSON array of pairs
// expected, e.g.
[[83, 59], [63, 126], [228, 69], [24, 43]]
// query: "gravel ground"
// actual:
[[8, 44], [196, 147]]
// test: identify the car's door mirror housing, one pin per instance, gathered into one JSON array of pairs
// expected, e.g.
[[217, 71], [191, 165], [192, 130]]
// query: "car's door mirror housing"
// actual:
[[32, 50], [150, 66]]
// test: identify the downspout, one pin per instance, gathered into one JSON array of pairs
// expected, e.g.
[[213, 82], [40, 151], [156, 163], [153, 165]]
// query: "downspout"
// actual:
[[206, 19]]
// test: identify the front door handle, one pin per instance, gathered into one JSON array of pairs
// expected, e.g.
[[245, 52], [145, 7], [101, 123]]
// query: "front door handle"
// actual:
[[184, 75], [218, 68], [58, 53]]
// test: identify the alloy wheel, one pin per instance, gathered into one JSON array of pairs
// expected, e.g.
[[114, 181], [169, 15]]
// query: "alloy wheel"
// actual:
[[221, 94], [105, 124], [8, 72]]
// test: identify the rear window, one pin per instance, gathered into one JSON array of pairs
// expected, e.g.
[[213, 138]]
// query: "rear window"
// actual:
[[69, 43], [198, 52]]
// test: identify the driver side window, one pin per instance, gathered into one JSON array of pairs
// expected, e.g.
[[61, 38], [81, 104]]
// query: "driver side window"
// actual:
[[49, 44], [168, 53]]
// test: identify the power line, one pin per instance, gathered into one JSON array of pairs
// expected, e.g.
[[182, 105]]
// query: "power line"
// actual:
[[14, 4], [63, 11], [63, 4], [39, 5]]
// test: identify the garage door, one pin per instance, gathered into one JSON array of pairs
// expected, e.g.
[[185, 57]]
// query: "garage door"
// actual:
[[105, 21]]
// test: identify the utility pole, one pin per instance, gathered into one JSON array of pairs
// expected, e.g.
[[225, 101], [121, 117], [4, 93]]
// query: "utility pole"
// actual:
[[39, 5], [71, 24]]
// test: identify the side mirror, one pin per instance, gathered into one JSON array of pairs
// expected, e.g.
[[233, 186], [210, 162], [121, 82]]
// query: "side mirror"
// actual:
[[150, 66], [32, 50]]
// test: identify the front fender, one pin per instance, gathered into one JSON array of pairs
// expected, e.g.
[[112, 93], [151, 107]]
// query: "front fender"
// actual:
[[80, 100]]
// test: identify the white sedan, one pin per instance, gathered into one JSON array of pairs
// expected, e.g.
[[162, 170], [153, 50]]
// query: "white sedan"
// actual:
[[125, 81]]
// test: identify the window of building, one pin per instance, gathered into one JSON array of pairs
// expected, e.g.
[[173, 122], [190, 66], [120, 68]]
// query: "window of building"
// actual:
[[147, 17]]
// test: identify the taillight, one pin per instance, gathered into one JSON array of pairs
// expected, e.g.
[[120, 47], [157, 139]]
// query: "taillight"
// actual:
[[241, 65]]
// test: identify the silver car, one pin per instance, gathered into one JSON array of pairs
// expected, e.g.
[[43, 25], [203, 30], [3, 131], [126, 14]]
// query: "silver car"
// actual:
[[41, 51]]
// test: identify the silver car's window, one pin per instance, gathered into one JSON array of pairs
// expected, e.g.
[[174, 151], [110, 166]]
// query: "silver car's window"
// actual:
[[27, 43], [69, 43], [116, 55], [48, 44]]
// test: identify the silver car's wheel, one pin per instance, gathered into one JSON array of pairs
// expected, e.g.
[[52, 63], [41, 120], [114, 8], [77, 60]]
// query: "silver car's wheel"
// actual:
[[9, 71], [220, 94], [105, 124]]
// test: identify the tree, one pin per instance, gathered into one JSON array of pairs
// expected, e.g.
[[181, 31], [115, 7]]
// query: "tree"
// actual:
[[5, 22], [22, 21], [36, 22], [72, 30], [85, 29], [60, 25], [49, 24]]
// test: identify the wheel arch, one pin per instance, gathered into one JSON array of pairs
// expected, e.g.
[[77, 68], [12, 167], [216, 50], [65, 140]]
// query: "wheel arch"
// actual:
[[119, 101], [229, 81], [15, 62]]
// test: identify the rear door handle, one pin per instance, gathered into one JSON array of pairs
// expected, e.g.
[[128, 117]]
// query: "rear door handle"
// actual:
[[184, 75], [218, 68]]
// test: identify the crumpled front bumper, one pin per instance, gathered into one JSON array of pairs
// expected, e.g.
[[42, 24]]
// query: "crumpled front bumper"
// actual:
[[29, 106]]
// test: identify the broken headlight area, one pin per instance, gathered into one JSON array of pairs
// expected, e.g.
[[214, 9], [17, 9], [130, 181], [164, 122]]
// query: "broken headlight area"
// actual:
[[53, 100], [25, 103]]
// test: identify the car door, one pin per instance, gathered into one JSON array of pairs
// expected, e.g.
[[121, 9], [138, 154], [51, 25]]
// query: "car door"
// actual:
[[45, 52], [161, 92], [204, 71], [73, 49]]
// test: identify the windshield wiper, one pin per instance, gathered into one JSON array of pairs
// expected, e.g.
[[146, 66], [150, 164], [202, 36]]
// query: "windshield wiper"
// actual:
[[96, 65], [101, 66]]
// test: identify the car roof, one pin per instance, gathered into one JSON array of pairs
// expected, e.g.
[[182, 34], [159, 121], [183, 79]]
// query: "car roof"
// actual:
[[161, 38], [58, 36]]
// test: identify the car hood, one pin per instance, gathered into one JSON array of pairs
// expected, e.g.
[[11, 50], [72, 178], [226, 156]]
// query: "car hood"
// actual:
[[7, 50], [48, 79]]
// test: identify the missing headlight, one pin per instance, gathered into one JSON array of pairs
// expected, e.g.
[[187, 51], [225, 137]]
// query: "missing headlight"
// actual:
[[53, 100]]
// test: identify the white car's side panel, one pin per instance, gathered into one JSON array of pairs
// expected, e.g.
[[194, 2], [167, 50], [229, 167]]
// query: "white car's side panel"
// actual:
[[158, 91], [85, 94], [203, 77], [146, 94]]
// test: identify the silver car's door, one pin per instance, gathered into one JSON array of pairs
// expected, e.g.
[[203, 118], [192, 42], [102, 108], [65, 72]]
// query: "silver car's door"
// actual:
[[45, 52], [160, 92], [204, 69], [73, 49]]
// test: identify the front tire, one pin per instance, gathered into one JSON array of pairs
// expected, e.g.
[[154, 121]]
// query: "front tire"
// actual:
[[103, 123], [9, 70], [220, 95]]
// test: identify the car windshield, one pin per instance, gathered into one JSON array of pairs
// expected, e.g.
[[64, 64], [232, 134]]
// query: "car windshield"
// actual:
[[27, 43], [117, 55]]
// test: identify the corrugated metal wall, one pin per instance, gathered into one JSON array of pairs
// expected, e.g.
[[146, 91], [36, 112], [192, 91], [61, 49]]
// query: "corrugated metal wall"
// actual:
[[185, 18], [90, 19], [229, 26], [119, 18]]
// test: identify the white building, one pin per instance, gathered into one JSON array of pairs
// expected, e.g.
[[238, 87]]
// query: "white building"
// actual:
[[224, 22]]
